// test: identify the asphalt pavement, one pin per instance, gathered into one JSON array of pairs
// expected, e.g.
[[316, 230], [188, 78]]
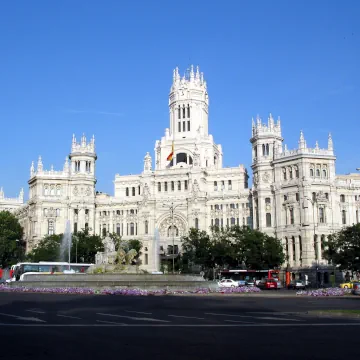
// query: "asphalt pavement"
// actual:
[[43, 326]]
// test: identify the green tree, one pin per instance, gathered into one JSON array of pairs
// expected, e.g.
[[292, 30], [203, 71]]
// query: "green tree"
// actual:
[[47, 249], [85, 246], [11, 233], [343, 248], [136, 245]]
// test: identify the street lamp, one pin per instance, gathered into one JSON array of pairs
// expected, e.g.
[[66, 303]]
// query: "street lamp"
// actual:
[[172, 208]]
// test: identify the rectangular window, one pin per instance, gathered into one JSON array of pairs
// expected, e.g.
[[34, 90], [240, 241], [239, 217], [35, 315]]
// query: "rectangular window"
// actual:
[[268, 220], [186, 184], [321, 215], [188, 125], [165, 186], [229, 185], [297, 197], [342, 198], [184, 128], [179, 185], [159, 186], [172, 186], [179, 126]]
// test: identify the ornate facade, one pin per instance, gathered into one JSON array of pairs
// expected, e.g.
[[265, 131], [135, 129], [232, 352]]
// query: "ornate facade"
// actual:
[[295, 196], [11, 204]]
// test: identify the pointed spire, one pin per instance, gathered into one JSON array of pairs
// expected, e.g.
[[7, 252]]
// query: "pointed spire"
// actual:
[[40, 165], [192, 74], [177, 75], [32, 169], [197, 74], [66, 165], [252, 122], [202, 78], [258, 120], [83, 140], [278, 124], [316, 145], [21, 195], [270, 121], [73, 139], [330, 143], [302, 144]]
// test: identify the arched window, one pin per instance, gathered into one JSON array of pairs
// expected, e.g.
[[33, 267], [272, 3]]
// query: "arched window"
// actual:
[[263, 150], [290, 172], [139, 189], [267, 149], [179, 112], [183, 111], [165, 186], [52, 190], [284, 174], [181, 158], [172, 186], [58, 190], [132, 229], [268, 220], [342, 198], [127, 191], [255, 151], [217, 222], [46, 190], [179, 185], [267, 200], [215, 186], [232, 221], [179, 126], [317, 172], [311, 172], [104, 230], [324, 174], [196, 223], [118, 229], [313, 196], [159, 186], [57, 212], [171, 233], [296, 172], [133, 191], [321, 215], [188, 125], [188, 111], [146, 226], [343, 216]]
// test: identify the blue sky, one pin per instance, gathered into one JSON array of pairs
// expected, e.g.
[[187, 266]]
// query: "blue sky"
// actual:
[[105, 68]]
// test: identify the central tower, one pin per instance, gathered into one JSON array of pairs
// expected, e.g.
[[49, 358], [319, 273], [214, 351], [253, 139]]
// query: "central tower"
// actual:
[[187, 142], [189, 104]]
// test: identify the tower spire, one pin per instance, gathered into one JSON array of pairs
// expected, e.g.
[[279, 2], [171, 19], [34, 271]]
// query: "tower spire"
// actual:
[[330, 143], [302, 142]]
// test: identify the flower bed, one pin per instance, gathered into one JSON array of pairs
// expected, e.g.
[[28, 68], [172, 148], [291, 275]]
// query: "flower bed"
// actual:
[[127, 291], [324, 292]]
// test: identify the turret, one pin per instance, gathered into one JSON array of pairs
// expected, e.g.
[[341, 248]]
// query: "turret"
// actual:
[[82, 156]]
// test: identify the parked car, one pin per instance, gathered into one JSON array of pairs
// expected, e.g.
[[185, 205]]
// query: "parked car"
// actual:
[[228, 283], [267, 284], [348, 284], [356, 288], [297, 284]]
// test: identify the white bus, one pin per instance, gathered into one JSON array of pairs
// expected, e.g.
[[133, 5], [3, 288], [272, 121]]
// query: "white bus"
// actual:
[[46, 267]]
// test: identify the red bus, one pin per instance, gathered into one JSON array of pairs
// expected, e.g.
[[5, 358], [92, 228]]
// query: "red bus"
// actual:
[[249, 277]]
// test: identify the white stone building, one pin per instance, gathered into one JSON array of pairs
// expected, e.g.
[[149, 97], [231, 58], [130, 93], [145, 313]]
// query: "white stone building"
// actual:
[[11, 204], [296, 195]]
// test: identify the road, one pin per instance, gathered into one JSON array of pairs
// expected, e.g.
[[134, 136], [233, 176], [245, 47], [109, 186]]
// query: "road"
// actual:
[[44, 326]]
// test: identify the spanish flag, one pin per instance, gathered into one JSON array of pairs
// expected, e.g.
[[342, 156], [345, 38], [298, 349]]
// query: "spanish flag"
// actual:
[[170, 157]]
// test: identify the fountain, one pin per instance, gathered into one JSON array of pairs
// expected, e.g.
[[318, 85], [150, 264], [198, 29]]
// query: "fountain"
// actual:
[[65, 247]]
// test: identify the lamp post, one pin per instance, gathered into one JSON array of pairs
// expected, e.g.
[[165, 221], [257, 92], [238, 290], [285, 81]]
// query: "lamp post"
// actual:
[[172, 208]]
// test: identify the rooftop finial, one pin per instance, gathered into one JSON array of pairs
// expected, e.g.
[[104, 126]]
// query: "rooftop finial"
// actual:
[[302, 144], [192, 74], [32, 169], [330, 143], [1, 193], [316, 145], [197, 74], [73, 139], [40, 164]]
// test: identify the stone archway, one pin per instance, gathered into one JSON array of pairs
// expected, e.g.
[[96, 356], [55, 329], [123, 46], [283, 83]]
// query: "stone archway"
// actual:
[[165, 228]]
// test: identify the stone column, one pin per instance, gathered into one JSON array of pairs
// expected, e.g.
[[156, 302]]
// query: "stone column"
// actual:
[[318, 247], [297, 251], [290, 250]]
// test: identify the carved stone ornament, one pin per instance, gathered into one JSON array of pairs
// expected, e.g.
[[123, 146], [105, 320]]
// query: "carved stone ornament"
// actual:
[[88, 191], [167, 223], [256, 178], [266, 177], [76, 191]]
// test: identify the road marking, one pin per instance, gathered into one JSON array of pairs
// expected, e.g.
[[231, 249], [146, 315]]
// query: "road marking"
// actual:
[[186, 317], [248, 316], [110, 322], [138, 312], [238, 321], [133, 318], [36, 311], [275, 318], [24, 318], [185, 325], [68, 316]]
